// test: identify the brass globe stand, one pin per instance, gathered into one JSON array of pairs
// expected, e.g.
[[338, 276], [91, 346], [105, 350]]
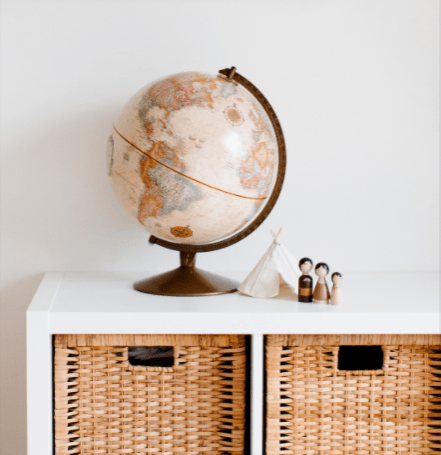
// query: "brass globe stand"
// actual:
[[187, 280]]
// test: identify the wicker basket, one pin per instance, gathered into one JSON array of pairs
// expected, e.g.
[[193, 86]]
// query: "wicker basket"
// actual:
[[105, 405], [314, 407]]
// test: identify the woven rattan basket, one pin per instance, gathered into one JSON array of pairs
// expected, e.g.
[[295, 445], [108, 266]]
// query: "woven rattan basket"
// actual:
[[314, 407], [105, 405]]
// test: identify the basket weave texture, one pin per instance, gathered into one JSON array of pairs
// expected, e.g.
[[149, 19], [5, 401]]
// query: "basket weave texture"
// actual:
[[104, 405], [313, 408]]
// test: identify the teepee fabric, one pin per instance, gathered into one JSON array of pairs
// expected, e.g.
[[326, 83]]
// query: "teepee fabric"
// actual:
[[276, 268]]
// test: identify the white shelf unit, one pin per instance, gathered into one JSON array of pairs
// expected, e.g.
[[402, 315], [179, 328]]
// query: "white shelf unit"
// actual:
[[100, 303]]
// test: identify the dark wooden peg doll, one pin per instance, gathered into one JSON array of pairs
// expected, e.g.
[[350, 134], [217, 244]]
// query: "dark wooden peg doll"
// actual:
[[321, 290], [306, 282]]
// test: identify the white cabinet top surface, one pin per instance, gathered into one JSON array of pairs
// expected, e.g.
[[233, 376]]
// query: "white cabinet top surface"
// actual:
[[107, 303]]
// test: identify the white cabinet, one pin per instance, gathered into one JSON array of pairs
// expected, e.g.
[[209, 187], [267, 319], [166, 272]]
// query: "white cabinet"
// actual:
[[100, 303]]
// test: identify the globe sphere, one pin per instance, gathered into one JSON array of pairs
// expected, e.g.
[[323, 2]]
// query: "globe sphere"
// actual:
[[193, 158]]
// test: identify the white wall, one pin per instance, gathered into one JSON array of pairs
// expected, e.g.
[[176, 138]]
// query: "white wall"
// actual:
[[355, 86]]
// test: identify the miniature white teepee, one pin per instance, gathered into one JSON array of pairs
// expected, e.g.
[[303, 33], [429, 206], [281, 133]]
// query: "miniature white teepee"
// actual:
[[276, 268]]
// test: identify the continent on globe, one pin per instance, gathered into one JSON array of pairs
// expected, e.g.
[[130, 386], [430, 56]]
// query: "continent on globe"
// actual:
[[193, 157]]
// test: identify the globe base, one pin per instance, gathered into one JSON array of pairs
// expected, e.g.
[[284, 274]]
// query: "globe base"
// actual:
[[187, 281]]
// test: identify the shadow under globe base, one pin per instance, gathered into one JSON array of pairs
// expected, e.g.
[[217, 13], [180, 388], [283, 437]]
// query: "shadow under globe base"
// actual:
[[187, 281]]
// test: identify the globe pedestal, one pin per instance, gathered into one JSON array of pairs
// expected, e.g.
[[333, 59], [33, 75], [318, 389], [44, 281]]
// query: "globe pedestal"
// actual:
[[187, 280]]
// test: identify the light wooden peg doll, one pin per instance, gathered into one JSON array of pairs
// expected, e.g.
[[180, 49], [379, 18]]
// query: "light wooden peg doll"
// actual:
[[306, 283], [321, 290], [336, 292]]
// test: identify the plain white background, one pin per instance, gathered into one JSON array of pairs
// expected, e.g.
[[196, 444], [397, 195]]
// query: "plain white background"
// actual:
[[354, 84]]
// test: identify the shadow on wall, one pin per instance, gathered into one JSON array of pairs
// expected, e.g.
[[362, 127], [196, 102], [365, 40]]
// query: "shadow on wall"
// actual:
[[15, 298], [59, 192]]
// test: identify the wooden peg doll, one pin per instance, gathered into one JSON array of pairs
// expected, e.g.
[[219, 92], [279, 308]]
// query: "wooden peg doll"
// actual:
[[336, 292], [306, 282], [321, 291]]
